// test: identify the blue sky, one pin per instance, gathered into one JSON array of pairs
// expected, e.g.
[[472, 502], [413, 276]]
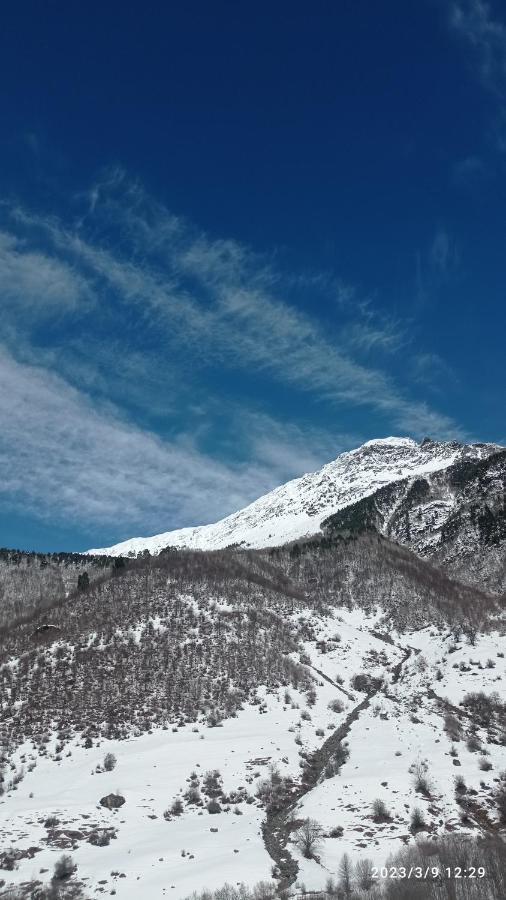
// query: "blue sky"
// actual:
[[236, 240]]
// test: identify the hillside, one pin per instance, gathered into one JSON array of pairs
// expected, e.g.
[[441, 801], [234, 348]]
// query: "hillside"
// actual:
[[33, 582], [238, 693]]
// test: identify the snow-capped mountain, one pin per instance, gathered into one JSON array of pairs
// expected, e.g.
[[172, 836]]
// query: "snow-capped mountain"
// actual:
[[297, 508]]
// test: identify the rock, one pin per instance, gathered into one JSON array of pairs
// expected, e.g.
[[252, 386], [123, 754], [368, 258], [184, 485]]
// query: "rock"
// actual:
[[112, 801], [456, 762]]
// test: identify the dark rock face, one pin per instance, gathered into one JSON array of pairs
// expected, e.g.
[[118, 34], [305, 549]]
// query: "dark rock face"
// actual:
[[455, 517], [112, 801]]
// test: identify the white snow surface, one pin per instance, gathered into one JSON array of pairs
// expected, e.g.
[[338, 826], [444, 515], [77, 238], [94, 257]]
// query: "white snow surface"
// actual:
[[296, 509], [401, 726]]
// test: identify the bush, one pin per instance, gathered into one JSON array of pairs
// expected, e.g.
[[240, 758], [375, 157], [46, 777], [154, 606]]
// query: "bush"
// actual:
[[380, 812], [482, 706], [275, 791], [213, 807], [473, 744], [336, 832], [453, 727], [64, 868], [336, 705], [109, 762], [100, 838], [8, 860], [417, 822], [212, 783], [177, 807], [485, 764], [361, 682], [421, 779], [193, 795], [460, 785]]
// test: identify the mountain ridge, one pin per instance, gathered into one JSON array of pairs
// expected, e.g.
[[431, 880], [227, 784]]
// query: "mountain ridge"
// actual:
[[296, 509]]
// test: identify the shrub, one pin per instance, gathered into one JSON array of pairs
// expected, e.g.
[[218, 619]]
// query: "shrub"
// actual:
[[336, 832], [8, 860], [361, 682], [485, 764], [193, 795], [473, 744], [213, 807], [274, 792], [417, 822], [481, 706], [212, 783], [311, 697], [421, 779], [177, 807], [460, 785], [380, 812], [64, 868], [453, 727], [336, 705], [109, 762], [100, 838]]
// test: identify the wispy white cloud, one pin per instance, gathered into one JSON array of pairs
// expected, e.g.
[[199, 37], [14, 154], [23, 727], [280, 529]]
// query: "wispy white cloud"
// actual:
[[443, 254], [474, 21], [481, 28], [435, 266], [35, 280], [288, 449], [65, 458], [225, 305], [69, 450], [432, 370], [371, 335]]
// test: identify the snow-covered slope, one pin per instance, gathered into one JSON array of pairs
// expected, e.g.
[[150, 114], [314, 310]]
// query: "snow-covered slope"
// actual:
[[51, 804], [296, 509]]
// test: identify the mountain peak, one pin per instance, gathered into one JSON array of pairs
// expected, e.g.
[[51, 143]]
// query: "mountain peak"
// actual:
[[388, 442]]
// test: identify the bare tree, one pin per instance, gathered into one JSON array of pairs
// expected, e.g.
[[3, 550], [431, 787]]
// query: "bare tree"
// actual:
[[363, 874], [346, 876], [308, 838]]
